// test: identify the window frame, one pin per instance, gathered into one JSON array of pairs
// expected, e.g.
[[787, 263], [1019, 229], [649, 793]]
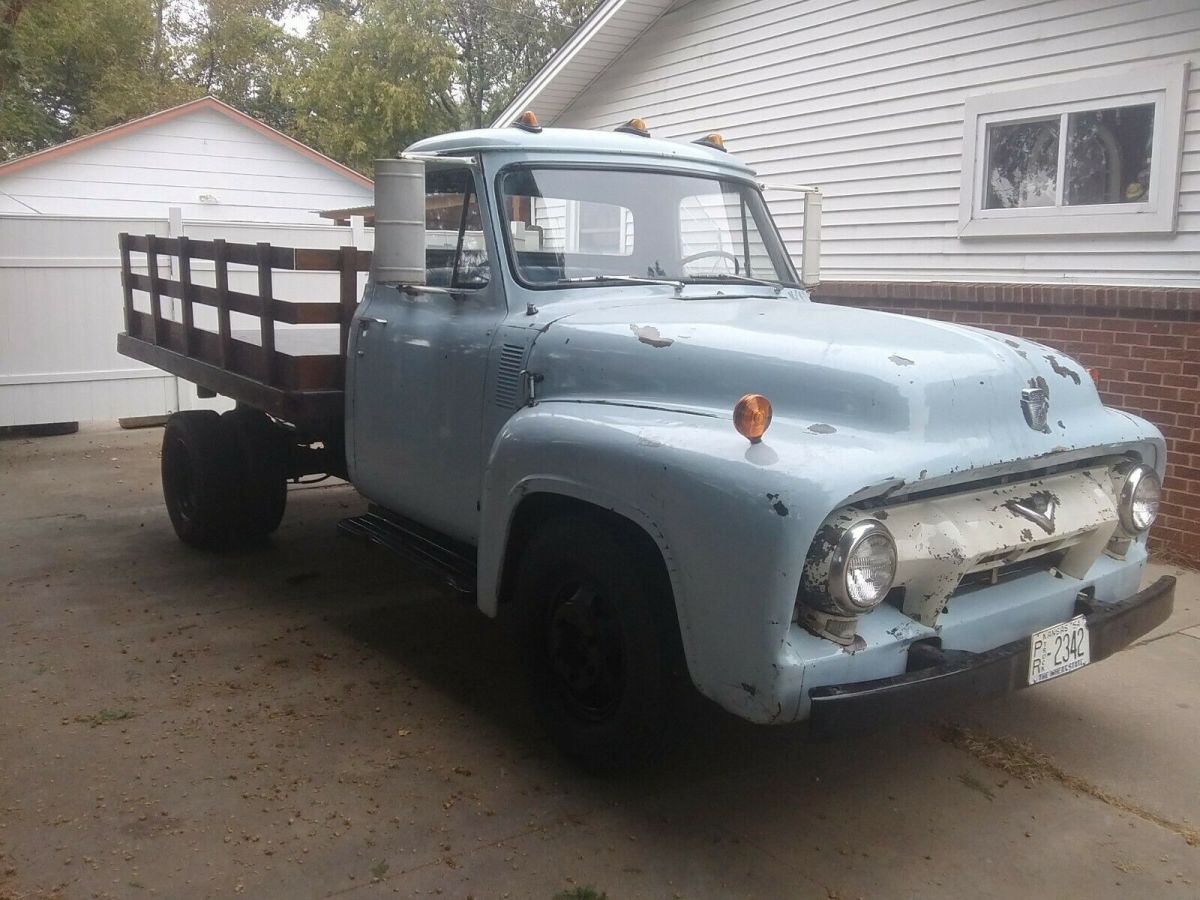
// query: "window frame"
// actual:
[[740, 238], [472, 190], [1163, 86], [497, 200]]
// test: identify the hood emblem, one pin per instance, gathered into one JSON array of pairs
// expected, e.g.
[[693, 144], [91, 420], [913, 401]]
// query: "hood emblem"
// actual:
[[1035, 403], [1038, 509]]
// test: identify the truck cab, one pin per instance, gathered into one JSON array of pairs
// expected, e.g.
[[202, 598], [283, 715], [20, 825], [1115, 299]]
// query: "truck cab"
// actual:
[[600, 395]]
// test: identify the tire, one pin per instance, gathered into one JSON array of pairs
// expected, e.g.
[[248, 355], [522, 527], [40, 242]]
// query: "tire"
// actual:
[[601, 643], [261, 469], [197, 478]]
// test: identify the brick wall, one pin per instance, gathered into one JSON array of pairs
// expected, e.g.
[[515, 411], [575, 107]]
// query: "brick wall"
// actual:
[[1145, 341]]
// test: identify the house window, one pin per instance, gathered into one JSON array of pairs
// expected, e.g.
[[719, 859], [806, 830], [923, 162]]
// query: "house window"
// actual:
[[1092, 157], [603, 228]]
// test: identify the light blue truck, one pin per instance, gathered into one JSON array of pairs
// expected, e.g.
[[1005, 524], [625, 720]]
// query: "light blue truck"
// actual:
[[585, 381]]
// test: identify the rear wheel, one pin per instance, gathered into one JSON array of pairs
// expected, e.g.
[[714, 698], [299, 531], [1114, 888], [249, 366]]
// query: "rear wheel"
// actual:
[[197, 469], [602, 646], [261, 469]]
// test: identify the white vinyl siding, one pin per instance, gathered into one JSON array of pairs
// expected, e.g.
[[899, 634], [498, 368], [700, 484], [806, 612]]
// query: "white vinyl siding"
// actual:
[[866, 99], [203, 162], [599, 40]]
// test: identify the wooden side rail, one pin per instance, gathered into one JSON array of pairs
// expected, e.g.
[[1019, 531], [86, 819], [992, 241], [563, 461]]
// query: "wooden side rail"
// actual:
[[260, 362]]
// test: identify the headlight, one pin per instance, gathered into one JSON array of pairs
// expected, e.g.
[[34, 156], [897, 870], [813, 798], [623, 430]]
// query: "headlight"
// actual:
[[1139, 499], [862, 567]]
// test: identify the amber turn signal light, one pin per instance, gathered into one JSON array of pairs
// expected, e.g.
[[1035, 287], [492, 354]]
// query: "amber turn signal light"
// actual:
[[1096, 376], [714, 140], [528, 122], [752, 417]]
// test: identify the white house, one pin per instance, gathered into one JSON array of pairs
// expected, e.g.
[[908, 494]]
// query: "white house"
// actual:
[[988, 140], [203, 169]]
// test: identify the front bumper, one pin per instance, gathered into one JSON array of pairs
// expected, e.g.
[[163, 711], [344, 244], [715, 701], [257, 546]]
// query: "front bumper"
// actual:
[[952, 679]]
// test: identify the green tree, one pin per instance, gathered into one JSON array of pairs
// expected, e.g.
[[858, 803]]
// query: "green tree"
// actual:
[[501, 44], [368, 84], [368, 77], [236, 50], [70, 66]]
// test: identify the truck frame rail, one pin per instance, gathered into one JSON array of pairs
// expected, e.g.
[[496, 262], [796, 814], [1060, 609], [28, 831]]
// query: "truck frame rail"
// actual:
[[298, 386]]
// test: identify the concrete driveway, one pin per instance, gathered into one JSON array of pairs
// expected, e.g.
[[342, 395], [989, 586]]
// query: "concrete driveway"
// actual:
[[312, 719]]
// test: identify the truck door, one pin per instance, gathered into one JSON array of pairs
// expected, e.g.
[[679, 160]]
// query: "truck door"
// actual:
[[419, 360]]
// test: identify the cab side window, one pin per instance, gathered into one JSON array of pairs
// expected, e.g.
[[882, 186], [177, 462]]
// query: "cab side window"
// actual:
[[455, 250]]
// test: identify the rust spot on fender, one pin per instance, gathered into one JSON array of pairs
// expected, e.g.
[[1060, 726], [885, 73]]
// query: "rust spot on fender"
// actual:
[[1060, 369], [648, 334], [777, 505], [901, 360]]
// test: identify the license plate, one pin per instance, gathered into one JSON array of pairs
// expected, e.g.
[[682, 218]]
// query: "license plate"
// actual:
[[1059, 649]]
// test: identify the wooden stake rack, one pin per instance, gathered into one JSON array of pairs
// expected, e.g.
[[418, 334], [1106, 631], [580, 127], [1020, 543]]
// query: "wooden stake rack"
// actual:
[[296, 387]]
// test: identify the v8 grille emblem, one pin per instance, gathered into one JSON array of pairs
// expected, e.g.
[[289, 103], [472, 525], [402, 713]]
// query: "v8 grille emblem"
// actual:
[[1038, 509]]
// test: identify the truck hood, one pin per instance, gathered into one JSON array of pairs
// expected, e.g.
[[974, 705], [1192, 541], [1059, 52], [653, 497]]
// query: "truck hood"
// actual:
[[826, 369]]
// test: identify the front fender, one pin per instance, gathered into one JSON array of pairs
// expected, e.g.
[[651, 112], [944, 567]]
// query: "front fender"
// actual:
[[734, 521], [718, 510]]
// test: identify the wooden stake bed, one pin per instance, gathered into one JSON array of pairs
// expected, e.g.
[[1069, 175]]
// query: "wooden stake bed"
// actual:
[[300, 378]]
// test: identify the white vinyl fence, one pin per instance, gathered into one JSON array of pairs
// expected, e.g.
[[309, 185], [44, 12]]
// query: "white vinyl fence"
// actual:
[[61, 310]]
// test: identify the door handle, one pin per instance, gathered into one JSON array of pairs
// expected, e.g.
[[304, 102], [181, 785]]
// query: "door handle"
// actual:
[[367, 320]]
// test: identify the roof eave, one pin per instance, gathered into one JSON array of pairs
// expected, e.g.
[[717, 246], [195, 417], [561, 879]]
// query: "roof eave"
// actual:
[[209, 102], [559, 60]]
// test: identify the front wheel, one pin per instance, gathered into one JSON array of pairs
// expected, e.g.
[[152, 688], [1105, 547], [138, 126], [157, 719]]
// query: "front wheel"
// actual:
[[601, 641]]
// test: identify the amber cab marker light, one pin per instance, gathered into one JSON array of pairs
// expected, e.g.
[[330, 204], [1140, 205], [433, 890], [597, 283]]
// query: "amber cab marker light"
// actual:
[[752, 417], [1096, 376], [528, 122], [636, 126], [714, 140]]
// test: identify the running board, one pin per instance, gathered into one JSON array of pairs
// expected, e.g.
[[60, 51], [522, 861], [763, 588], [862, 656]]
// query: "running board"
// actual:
[[446, 557]]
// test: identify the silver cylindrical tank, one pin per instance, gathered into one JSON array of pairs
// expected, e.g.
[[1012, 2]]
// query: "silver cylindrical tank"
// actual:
[[399, 256]]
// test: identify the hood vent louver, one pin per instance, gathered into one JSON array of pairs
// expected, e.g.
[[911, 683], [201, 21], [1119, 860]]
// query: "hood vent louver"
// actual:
[[508, 375]]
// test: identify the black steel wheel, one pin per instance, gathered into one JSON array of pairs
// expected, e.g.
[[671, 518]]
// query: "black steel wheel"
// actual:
[[586, 649], [197, 478], [601, 642]]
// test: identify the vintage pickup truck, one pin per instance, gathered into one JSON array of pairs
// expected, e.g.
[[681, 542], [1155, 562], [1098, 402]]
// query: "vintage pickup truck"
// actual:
[[586, 381]]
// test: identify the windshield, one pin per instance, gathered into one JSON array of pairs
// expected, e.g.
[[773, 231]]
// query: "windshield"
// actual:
[[578, 226]]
